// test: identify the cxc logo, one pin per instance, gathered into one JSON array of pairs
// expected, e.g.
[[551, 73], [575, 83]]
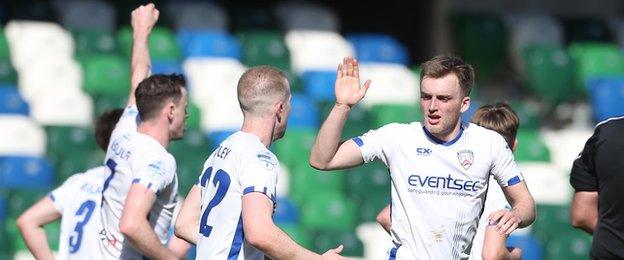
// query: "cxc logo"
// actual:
[[423, 151]]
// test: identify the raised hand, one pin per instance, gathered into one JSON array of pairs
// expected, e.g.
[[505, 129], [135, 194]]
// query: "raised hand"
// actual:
[[334, 253], [348, 89], [144, 18]]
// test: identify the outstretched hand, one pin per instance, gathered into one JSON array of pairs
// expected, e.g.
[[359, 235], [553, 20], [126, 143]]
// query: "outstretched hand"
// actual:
[[347, 88], [144, 18]]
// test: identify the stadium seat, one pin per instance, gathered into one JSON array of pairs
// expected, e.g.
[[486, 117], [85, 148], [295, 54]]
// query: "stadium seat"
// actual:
[[306, 182], [369, 207], [286, 212], [283, 182], [89, 42], [607, 97], [20, 135], [17, 243], [565, 145], [392, 84], [531, 247], [8, 75], [319, 85], [569, 245], [529, 113], [5, 52], [264, 48], [192, 15], [549, 73], [298, 234], [208, 43], [102, 103], [188, 169], [328, 211], [294, 148], [595, 60], [306, 16], [358, 123], [72, 163], [553, 220], [6, 251], [378, 48], [585, 29], [26, 173], [371, 179], [316, 50], [12, 103], [252, 16], [325, 240], [193, 120], [54, 107], [303, 113], [32, 41], [376, 240], [106, 74], [21, 199], [162, 43], [65, 140], [390, 113], [195, 143], [216, 137], [531, 147], [49, 75], [546, 183], [166, 67], [3, 209], [86, 15]]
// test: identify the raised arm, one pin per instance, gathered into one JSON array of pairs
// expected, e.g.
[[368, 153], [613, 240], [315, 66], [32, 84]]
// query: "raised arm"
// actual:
[[143, 20], [187, 223], [522, 213], [263, 234], [328, 153], [30, 224]]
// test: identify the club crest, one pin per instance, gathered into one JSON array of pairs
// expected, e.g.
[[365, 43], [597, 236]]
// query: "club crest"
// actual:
[[465, 157]]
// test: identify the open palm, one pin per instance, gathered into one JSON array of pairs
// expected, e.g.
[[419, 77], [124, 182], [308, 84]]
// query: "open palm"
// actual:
[[348, 89]]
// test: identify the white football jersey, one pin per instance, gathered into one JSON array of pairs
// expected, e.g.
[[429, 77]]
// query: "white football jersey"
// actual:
[[494, 200], [78, 200], [437, 187], [240, 165], [134, 157]]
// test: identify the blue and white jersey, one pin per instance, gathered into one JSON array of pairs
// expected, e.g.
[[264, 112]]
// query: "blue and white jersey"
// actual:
[[78, 200], [241, 165], [134, 157], [438, 187]]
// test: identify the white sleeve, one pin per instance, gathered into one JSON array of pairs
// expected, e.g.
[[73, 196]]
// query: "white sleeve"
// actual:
[[260, 175], [504, 167], [373, 144], [63, 194], [129, 120], [155, 171]]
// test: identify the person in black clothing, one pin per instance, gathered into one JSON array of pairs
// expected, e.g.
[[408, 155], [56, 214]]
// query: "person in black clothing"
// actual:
[[598, 179]]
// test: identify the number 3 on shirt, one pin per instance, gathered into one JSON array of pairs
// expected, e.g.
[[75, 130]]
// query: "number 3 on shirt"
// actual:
[[221, 181], [86, 209]]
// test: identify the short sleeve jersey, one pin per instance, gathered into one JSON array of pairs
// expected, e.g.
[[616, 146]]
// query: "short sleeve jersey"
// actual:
[[240, 165], [78, 200], [438, 187], [134, 158]]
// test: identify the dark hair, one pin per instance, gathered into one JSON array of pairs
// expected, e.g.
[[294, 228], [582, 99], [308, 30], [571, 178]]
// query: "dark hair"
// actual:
[[104, 126], [499, 117], [155, 90], [442, 65]]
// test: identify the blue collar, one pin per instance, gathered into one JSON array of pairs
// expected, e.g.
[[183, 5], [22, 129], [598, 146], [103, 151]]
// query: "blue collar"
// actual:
[[442, 142]]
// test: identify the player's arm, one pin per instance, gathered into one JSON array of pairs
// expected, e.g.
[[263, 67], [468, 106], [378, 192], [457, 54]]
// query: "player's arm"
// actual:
[[143, 20], [187, 222], [263, 234], [135, 226], [584, 213], [179, 247], [328, 153], [522, 211], [494, 247], [383, 218], [31, 223]]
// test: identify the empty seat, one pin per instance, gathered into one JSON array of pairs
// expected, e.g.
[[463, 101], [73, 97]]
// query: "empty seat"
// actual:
[[102, 103], [54, 107], [87, 15], [89, 42], [319, 85], [265, 48], [298, 234], [294, 148], [549, 73], [607, 97], [18, 245], [20, 135], [531, 247], [65, 140], [68, 164], [378, 48], [197, 16], [12, 103], [572, 245], [106, 74], [310, 182], [553, 220], [384, 114], [328, 211], [531, 147], [5, 53], [31, 41], [391, 84], [565, 145], [286, 212], [162, 43], [8, 75], [45, 75], [217, 137], [166, 67], [546, 183], [358, 122], [316, 50], [26, 173], [595, 60], [303, 113], [376, 240], [207, 43], [306, 16]]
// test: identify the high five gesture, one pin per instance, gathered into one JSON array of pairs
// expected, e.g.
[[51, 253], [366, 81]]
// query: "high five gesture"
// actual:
[[348, 89]]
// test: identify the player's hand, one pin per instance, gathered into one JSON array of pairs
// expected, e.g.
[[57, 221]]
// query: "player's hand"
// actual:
[[334, 253], [144, 18], [506, 221], [348, 89]]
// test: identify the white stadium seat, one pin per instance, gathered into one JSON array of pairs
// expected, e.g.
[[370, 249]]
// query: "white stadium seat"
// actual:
[[565, 145], [21, 136], [547, 183], [316, 50], [391, 84], [283, 185], [30, 41], [66, 108], [49, 74], [376, 241]]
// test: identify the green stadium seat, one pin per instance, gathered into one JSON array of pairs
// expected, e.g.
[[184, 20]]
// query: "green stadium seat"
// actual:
[[569, 245], [194, 116], [6, 251], [89, 42], [162, 43], [71, 164], [369, 207], [102, 103], [328, 211], [190, 154], [358, 123], [66, 140], [528, 112], [299, 235], [531, 147], [551, 222], [20, 200], [5, 53], [106, 74], [8, 75], [265, 47], [306, 182], [325, 240], [369, 179], [17, 243], [549, 73], [394, 113], [294, 148], [593, 60]]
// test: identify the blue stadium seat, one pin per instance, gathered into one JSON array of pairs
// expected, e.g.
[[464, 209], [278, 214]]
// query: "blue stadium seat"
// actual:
[[319, 85], [303, 113], [209, 43], [166, 67], [474, 105], [607, 97], [22, 172], [12, 103], [378, 48], [286, 212], [531, 247], [216, 137], [3, 208]]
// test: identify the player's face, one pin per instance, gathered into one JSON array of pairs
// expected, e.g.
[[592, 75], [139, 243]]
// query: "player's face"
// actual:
[[179, 117], [280, 127], [442, 102]]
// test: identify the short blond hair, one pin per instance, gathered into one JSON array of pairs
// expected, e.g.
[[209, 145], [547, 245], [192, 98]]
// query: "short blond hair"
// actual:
[[259, 86], [499, 117]]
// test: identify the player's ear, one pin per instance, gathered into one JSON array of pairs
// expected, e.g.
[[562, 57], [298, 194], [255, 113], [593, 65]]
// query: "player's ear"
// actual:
[[170, 110], [279, 110], [465, 104]]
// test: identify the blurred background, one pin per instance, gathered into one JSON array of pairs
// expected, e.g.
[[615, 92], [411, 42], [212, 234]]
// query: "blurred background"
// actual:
[[558, 63]]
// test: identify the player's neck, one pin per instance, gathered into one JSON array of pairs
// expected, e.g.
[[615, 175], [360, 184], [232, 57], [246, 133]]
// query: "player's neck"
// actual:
[[260, 128], [155, 130], [451, 135]]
